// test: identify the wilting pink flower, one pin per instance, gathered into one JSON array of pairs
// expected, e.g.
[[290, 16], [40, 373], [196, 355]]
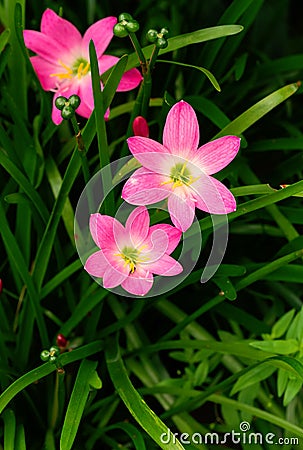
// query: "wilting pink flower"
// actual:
[[62, 59], [130, 255], [180, 171]]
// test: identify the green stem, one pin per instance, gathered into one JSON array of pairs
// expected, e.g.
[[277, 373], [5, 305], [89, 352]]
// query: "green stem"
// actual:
[[82, 150], [138, 50]]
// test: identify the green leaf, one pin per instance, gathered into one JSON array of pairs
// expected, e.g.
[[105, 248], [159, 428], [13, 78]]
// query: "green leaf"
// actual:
[[77, 404], [282, 380], [138, 408], [292, 389], [226, 287], [113, 81], [132, 432], [253, 114], [282, 325], [206, 72], [95, 381], [201, 373], [9, 429], [279, 346], [196, 37], [4, 37], [253, 376]]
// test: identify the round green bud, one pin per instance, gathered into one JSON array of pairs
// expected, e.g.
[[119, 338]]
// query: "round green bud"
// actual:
[[152, 36], [54, 351], [164, 31], [52, 359], [120, 31], [74, 101], [161, 43], [60, 102], [132, 26], [44, 355], [124, 16], [67, 112]]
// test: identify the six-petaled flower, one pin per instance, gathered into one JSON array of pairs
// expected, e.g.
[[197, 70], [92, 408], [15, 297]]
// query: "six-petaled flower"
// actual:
[[129, 255], [62, 59], [180, 170]]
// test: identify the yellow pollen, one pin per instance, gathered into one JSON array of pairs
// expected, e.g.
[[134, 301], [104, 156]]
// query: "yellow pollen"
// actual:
[[178, 177], [80, 72]]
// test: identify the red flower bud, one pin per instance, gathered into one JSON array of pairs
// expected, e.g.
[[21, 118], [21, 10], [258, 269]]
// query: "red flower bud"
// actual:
[[140, 127], [1, 286], [61, 340]]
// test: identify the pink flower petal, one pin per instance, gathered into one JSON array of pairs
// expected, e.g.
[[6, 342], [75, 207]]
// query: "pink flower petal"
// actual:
[[130, 80], [107, 232], [113, 277], [101, 33], [86, 95], [151, 154], [166, 266], [154, 247], [45, 46], [96, 264], [137, 225], [215, 155], [61, 30], [43, 70], [181, 208], [145, 187], [173, 233], [212, 196], [181, 130], [138, 283]]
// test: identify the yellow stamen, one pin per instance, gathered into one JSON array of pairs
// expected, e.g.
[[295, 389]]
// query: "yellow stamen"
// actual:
[[62, 75]]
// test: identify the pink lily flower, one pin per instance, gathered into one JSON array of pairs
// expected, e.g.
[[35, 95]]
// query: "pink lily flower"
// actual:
[[62, 59], [180, 170], [130, 255]]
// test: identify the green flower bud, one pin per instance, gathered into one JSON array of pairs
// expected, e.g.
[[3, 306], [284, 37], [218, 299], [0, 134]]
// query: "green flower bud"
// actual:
[[164, 31], [44, 355], [132, 26], [124, 16], [74, 101], [161, 43], [152, 36], [120, 31], [52, 359], [67, 112], [60, 102], [54, 351]]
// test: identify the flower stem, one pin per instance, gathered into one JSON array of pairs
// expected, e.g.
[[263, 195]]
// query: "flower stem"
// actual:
[[138, 50], [82, 150]]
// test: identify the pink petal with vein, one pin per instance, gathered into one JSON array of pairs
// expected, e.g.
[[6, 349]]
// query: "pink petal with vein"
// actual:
[[181, 131], [215, 155], [96, 264], [137, 225], [181, 209], [44, 46], [173, 233], [139, 282], [113, 277], [213, 197], [130, 80], [166, 266], [61, 30], [101, 33], [145, 187], [155, 246], [43, 70], [107, 232], [86, 94]]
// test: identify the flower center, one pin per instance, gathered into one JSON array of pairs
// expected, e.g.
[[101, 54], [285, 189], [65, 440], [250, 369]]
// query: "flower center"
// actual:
[[79, 69], [180, 175], [130, 256]]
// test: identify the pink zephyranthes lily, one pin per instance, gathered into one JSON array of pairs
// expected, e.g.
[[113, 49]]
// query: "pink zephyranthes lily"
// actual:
[[180, 170], [130, 255], [62, 59]]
